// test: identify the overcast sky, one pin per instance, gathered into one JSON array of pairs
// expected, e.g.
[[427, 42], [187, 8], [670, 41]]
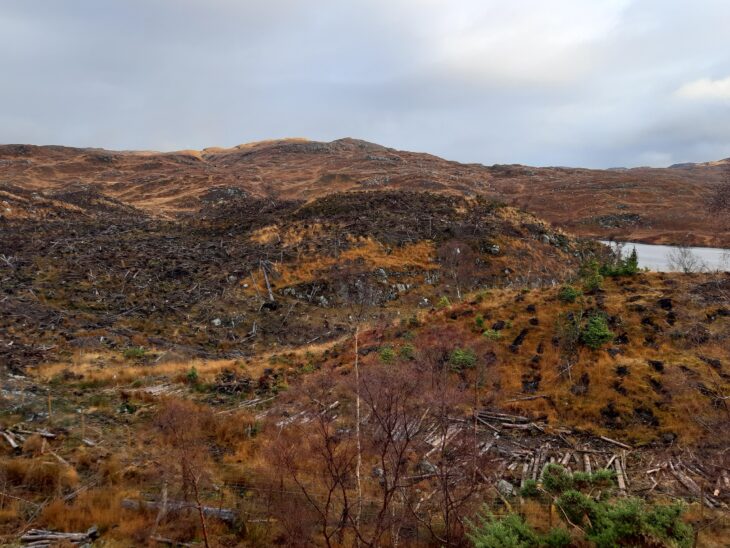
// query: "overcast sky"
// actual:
[[595, 83]]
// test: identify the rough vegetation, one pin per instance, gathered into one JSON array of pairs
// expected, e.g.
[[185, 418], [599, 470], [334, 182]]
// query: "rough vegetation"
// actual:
[[371, 367]]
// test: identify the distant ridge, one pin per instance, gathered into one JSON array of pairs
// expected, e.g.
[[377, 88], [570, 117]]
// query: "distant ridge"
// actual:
[[651, 205]]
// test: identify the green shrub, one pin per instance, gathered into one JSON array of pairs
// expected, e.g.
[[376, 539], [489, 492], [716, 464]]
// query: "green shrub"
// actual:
[[581, 479], [557, 538], [530, 490], [605, 523], [591, 275], [510, 531], [556, 479], [568, 294], [462, 358], [603, 477], [665, 522], [479, 321], [629, 522], [407, 352], [192, 376], [492, 335], [386, 354], [622, 266], [443, 302], [134, 352], [575, 505], [596, 333]]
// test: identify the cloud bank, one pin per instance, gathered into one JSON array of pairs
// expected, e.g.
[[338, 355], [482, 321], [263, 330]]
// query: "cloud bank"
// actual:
[[568, 82]]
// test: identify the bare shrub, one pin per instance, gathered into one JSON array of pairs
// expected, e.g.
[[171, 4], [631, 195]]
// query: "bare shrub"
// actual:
[[459, 262], [683, 259], [185, 459]]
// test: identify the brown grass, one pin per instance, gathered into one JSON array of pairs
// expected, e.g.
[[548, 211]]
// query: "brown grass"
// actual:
[[38, 474], [100, 507]]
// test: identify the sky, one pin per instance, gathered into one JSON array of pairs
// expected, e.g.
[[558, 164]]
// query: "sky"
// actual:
[[594, 83]]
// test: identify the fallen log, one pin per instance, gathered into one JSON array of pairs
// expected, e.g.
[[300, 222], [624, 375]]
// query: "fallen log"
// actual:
[[10, 439], [502, 417], [170, 542], [620, 476], [692, 487], [536, 465], [609, 440], [43, 537], [514, 426], [528, 398], [525, 470], [227, 515], [485, 423], [42, 433]]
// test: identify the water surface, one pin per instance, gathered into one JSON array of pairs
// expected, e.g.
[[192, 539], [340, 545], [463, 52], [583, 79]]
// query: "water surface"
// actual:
[[658, 257]]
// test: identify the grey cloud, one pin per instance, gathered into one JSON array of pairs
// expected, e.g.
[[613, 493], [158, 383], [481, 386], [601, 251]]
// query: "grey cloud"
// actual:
[[562, 83]]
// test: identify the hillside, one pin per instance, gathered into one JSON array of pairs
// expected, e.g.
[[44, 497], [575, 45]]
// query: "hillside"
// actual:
[[642, 204], [295, 343], [198, 285]]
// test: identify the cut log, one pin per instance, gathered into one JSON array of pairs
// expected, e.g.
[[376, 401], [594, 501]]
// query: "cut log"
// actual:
[[42, 537], [169, 541], [587, 463], [513, 426], [41, 433], [534, 466], [539, 458], [566, 459], [620, 476], [692, 487], [528, 398], [224, 514], [609, 440], [525, 472], [60, 459], [10, 439], [485, 423], [502, 417]]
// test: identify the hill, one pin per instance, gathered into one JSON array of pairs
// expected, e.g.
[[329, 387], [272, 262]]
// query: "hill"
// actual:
[[641, 204]]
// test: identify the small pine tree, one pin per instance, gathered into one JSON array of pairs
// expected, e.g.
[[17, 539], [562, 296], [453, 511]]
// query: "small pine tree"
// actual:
[[596, 332], [631, 265], [462, 358]]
